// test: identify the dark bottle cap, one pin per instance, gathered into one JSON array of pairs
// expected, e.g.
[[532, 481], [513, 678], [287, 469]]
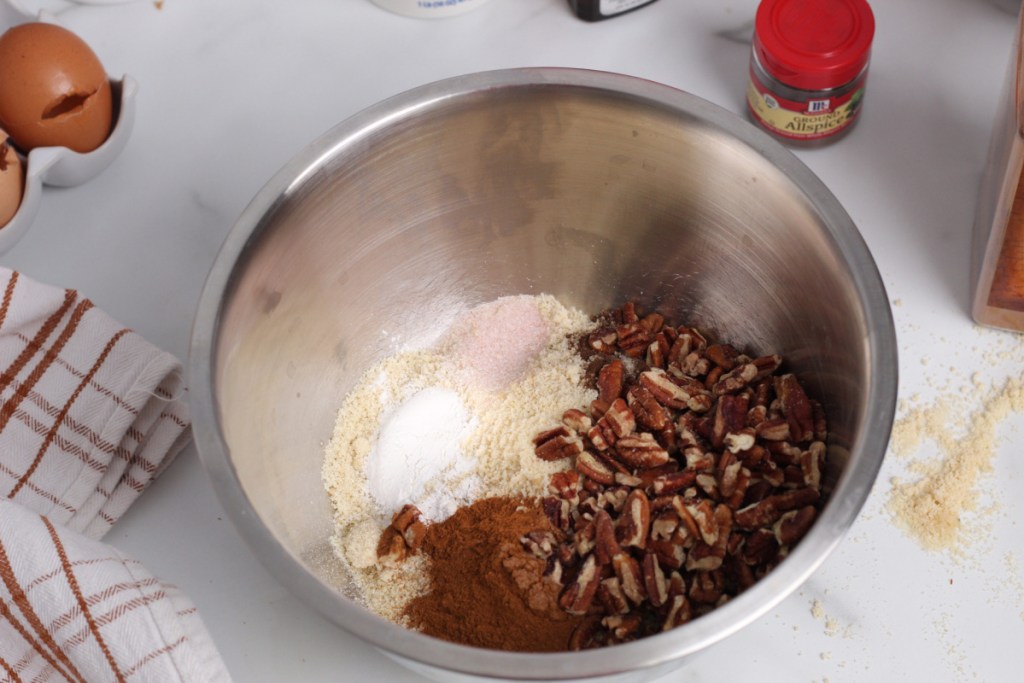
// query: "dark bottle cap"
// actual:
[[596, 10]]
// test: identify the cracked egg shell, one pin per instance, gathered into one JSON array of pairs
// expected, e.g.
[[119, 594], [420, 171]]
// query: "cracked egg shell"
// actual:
[[12, 180], [54, 90]]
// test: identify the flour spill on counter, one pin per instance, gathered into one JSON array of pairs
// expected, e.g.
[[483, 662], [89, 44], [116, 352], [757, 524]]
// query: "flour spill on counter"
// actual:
[[949, 446]]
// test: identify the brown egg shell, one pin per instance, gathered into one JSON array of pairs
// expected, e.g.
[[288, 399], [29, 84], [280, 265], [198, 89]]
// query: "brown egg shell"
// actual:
[[12, 181], [55, 91]]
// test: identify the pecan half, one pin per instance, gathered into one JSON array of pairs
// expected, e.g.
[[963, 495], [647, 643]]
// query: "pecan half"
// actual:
[[796, 407], [589, 466], [635, 522], [641, 450], [610, 381], [648, 412], [407, 523], [557, 443], [792, 525], [654, 581], [630, 577], [578, 595]]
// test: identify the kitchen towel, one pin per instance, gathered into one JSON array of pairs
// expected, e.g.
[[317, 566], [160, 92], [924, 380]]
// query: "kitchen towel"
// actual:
[[90, 414]]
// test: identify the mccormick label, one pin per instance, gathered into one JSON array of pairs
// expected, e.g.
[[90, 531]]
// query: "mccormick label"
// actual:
[[818, 117]]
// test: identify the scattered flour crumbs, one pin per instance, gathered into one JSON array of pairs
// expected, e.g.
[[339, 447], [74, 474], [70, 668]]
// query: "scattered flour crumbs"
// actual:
[[941, 507], [442, 427]]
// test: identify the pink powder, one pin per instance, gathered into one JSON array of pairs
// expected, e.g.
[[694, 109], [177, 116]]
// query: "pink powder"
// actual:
[[494, 343]]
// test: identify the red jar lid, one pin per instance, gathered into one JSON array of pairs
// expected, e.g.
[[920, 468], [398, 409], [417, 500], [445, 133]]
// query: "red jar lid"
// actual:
[[813, 44]]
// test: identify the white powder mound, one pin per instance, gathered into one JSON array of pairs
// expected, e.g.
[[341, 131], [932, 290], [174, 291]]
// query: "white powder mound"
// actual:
[[493, 344], [417, 455]]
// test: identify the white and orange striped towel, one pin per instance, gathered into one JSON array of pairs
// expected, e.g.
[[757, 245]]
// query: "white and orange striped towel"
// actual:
[[90, 413]]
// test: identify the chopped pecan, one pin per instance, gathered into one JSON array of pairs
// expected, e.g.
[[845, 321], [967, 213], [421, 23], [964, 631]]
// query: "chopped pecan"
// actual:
[[663, 389], [692, 365], [623, 627], [657, 351], [792, 525], [407, 523], [553, 569], [557, 443], [633, 339], [620, 418], [698, 459], [653, 321], [635, 523], [578, 595], [708, 483], [730, 416], [565, 484], [601, 435], [603, 340], [589, 466], [722, 355], [391, 548], [630, 480], [703, 558], [540, 543], [586, 635], [734, 380], [598, 408], [697, 470], [810, 463], [776, 429], [766, 365], [605, 545], [610, 381], [728, 477], [611, 596], [654, 581], [759, 548], [630, 577], [648, 412], [557, 511], [670, 554], [613, 500], [664, 525], [702, 512], [794, 498], [740, 440], [577, 421], [673, 482], [796, 407], [756, 416], [641, 450], [679, 612], [707, 587]]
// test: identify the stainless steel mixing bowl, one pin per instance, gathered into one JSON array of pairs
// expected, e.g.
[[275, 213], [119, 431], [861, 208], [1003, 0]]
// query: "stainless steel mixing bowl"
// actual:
[[597, 188]]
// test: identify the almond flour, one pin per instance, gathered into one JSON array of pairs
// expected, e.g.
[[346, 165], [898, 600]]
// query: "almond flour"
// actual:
[[941, 508], [511, 364]]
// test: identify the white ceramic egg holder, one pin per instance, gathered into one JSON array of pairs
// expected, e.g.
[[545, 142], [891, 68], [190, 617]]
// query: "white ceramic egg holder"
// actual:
[[60, 166]]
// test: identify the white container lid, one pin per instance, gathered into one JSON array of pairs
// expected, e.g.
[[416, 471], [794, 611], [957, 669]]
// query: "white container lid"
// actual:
[[429, 9]]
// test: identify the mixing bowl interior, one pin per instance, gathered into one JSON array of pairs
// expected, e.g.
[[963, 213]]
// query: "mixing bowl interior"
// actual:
[[376, 237]]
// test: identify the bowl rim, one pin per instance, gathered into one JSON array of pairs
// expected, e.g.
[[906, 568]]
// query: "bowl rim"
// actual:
[[867, 449]]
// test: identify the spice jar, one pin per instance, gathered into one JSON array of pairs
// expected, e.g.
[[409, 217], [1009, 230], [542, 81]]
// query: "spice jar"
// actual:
[[809, 66]]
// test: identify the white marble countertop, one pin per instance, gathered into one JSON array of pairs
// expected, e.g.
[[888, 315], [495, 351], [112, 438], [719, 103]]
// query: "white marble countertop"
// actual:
[[231, 89]]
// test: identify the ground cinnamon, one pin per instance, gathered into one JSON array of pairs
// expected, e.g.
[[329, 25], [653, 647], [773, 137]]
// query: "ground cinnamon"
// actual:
[[485, 590]]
